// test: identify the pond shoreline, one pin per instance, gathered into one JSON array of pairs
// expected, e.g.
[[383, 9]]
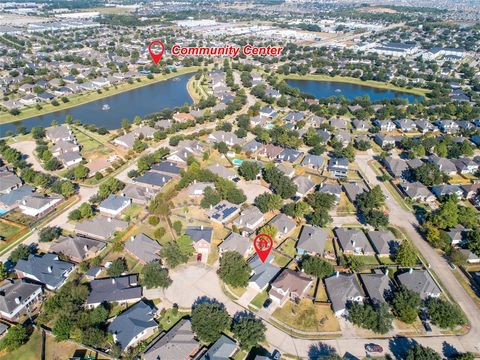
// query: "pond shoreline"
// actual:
[[85, 97], [355, 81]]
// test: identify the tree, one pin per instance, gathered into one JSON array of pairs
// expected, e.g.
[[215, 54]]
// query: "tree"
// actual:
[[159, 233], [86, 210], [62, 328], [209, 320], [316, 266], [405, 304], [177, 226], [429, 174], [268, 202], [3, 271], [38, 132], [67, 189], [297, 209], [154, 276], [376, 318], [117, 267], [269, 230], [16, 336], [446, 216], [444, 313], [249, 170], [468, 217], [406, 254], [153, 220], [172, 255], [319, 217], [49, 233], [210, 198], [419, 352], [376, 218], [234, 270], [21, 252], [249, 331], [80, 172], [75, 215]]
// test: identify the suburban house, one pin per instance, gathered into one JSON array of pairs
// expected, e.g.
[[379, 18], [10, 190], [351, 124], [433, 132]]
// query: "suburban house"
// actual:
[[383, 242], [304, 185], [384, 125], [252, 147], [338, 167], [353, 242], [143, 248], [447, 126], [8, 181], [100, 227], [313, 161], [70, 158], [268, 111], [135, 324], [222, 171], [421, 282], [13, 198], [153, 180], [62, 147], [178, 343], [138, 194], [331, 189], [198, 188], [290, 155], [353, 189], [396, 167], [417, 191], [202, 240], [378, 286], [447, 189], [121, 289], [283, 224], [167, 168], [223, 212], [312, 240], [249, 220], [223, 348], [286, 169], [114, 205], [341, 289], [270, 151], [236, 242], [38, 205], [57, 133], [384, 140], [228, 138], [18, 297], [47, 269], [445, 165], [262, 272], [77, 248], [405, 125], [183, 117], [289, 285]]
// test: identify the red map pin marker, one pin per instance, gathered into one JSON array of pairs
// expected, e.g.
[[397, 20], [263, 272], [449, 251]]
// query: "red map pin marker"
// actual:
[[156, 54], [263, 244]]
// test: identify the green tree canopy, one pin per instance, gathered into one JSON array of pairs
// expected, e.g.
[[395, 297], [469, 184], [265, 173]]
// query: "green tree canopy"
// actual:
[[249, 331], [233, 269], [209, 320], [154, 276], [316, 266]]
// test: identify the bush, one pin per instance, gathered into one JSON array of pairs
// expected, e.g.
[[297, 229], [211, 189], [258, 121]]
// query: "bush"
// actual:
[[153, 220]]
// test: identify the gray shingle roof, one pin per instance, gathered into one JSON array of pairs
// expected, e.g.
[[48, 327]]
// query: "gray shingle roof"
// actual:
[[178, 343], [263, 272], [76, 246], [384, 242], [235, 242], [144, 248], [198, 233], [100, 226], [47, 268], [353, 239], [378, 286], [120, 288], [342, 288], [312, 239], [222, 349], [419, 281], [14, 289], [114, 202], [132, 322]]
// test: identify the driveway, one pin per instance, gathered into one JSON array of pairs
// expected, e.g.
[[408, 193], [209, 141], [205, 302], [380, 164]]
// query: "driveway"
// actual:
[[27, 148], [252, 189]]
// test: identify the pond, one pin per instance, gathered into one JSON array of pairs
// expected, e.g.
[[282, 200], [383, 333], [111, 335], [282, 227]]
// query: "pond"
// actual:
[[109, 112], [325, 89]]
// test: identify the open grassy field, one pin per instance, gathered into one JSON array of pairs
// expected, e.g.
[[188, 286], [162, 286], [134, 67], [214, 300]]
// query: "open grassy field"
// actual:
[[30, 351], [307, 317], [351, 80], [83, 98]]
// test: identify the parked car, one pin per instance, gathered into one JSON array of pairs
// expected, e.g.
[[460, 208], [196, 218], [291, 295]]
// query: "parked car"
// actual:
[[375, 348], [452, 266], [427, 326], [276, 355], [267, 303]]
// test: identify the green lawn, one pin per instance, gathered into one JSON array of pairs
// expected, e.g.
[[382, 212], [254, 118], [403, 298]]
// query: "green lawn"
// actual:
[[30, 351], [169, 319], [259, 299], [7, 230], [288, 247], [281, 260]]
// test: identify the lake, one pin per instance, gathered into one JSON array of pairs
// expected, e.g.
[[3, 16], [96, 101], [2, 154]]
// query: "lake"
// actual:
[[325, 89], [140, 101]]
